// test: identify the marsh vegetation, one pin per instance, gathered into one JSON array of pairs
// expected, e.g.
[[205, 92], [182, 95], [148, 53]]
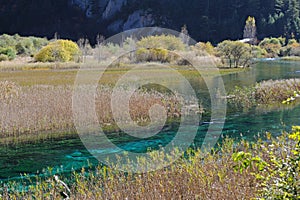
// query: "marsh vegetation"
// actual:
[[241, 170], [36, 105]]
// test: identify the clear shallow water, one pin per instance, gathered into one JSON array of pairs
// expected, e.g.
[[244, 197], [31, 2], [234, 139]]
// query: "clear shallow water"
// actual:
[[70, 154], [264, 70]]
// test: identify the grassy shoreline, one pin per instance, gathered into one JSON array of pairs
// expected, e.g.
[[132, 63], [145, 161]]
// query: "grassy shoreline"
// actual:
[[291, 58], [67, 77], [112, 130]]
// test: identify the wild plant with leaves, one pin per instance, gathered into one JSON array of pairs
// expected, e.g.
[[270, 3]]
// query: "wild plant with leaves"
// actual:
[[274, 164]]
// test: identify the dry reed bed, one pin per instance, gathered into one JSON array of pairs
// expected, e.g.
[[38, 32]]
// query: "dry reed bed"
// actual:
[[276, 91], [43, 108], [28, 64], [265, 93]]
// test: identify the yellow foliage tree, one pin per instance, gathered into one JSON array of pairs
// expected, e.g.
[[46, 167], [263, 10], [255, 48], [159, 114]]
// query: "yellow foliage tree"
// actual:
[[250, 28], [58, 51], [168, 42]]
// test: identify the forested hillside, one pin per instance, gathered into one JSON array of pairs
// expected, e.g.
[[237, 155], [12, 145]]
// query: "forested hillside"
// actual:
[[213, 20], [219, 19]]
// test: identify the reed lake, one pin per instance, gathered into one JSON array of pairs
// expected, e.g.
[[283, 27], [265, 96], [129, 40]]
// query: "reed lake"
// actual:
[[65, 155]]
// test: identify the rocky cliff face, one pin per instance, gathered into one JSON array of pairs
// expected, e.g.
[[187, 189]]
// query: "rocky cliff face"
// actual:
[[119, 15], [73, 19], [112, 8]]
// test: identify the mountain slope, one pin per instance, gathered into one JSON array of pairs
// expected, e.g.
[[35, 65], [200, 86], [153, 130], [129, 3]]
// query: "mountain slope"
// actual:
[[206, 20]]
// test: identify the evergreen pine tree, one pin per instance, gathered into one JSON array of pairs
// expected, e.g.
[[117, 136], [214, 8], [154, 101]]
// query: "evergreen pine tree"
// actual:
[[292, 26], [279, 5]]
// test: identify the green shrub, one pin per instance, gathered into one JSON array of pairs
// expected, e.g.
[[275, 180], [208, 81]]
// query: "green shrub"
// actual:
[[295, 51], [276, 166], [292, 48], [282, 41], [157, 54], [264, 42], [168, 42], [112, 48], [30, 45], [272, 49], [9, 52], [158, 48], [60, 51], [202, 48], [293, 42], [22, 45], [129, 44], [243, 98], [20, 48], [38, 43], [275, 41], [52, 54], [3, 57], [25, 47], [235, 53], [258, 52], [7, 41], [272, 46]]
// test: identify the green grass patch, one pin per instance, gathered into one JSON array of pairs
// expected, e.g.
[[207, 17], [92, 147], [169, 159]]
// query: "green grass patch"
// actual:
[[291, 58], [47, 75], [40, 77]]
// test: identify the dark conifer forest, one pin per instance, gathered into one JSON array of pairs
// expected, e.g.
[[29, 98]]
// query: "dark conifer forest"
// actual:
[[213, 20]]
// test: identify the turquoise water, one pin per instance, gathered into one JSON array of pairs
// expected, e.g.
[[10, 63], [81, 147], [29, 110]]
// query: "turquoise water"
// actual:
[[70, 154]]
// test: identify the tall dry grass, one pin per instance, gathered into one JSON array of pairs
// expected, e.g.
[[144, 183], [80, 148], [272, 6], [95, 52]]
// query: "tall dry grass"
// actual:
[[265, 93], [39, 109], [201, 176], [273, 91], [36, 109]]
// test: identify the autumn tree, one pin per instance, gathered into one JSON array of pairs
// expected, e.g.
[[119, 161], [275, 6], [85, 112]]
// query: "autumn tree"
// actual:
[[235, 53], [184, 35], [84, 46], [99, 39], [250, 29], [58, 51]]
